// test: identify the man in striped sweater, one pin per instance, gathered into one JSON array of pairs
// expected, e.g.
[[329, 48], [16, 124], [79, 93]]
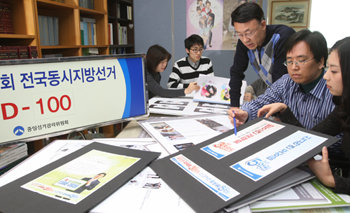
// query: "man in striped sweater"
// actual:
[[303, 89], [187, 69]]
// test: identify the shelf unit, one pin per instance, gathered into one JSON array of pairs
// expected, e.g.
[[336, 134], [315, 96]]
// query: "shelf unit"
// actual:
[[25, 15], [120, 14]]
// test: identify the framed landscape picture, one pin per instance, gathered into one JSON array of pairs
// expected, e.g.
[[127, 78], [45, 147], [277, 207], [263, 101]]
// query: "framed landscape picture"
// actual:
[[291, 13]]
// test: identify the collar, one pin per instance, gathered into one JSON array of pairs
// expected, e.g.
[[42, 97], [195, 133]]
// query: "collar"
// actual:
[[268, 36], [306, 88], [192, 63]]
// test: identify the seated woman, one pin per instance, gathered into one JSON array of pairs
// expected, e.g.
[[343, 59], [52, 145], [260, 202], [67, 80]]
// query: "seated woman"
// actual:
[[338, 83], [156, 62]]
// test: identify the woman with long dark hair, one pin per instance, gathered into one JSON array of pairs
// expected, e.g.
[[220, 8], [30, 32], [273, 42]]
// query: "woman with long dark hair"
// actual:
[[156, 62]]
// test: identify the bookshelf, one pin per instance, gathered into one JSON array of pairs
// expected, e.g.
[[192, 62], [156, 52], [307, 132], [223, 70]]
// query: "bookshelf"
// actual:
[[121, 26], [27, 29], [27, 21]]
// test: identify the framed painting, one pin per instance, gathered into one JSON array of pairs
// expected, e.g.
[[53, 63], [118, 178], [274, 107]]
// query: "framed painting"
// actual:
[[291, 13]]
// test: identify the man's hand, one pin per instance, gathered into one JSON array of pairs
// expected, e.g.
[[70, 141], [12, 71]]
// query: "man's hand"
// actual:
[[270, 109], [241, 115]]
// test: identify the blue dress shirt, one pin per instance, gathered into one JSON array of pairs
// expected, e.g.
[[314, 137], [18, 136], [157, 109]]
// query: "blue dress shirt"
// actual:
[[309, 108]]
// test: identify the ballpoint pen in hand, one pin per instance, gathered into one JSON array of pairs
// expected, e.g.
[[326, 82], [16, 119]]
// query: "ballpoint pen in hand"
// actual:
[[234, 123]]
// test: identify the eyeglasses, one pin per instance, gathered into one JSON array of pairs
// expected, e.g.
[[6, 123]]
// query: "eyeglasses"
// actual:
[[197, 50], [297, 62], [247, 34]]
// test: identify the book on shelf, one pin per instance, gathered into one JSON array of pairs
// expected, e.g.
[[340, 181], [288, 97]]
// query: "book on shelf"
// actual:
[[87, 4], [88, 31], [32, 52], [110, 34], [12, 52], [23, 52], [90, 51], [48, 30], [6, 24], [117, 50], [18, 52], [122, 34], [129, 12], [118, 10]]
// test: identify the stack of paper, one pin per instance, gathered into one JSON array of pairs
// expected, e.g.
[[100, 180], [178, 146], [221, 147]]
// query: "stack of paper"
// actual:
[[12, 153], [184, 106]]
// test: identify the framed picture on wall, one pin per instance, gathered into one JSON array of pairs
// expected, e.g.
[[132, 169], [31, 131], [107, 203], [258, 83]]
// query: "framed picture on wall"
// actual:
[[291, 13]]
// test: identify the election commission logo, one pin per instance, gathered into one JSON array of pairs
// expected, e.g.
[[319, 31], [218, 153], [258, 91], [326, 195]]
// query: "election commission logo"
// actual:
[[259, 164], [18, 130]]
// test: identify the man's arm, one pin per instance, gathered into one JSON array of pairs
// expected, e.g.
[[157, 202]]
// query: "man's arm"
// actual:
[[237, 70], [273, 94]]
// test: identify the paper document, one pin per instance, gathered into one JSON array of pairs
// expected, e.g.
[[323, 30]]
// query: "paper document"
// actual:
[[176, 133], [184, 106]]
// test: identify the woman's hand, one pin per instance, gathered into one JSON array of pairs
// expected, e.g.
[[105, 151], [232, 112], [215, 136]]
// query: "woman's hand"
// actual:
[[271, 109], [191, 87], [322, 169]]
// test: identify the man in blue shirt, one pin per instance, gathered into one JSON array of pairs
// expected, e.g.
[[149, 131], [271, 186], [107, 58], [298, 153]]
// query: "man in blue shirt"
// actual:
[[303, 89], [260, 45]]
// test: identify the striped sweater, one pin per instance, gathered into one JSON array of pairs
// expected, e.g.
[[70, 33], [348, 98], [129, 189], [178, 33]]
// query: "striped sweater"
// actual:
[[183, 73]]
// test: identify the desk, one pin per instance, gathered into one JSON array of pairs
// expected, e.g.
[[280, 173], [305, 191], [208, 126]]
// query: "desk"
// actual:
[[130, 197]]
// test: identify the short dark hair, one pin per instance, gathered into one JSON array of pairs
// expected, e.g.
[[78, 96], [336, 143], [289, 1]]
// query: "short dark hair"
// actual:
[[316, 41], [247, 12], [192, 40], [156, 54]]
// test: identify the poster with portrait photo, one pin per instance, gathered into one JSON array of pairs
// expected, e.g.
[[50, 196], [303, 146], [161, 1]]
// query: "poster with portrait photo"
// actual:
[[48, 188]]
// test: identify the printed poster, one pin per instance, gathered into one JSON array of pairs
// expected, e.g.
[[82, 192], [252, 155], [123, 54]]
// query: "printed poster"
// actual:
[[79, 178], [211, 19], [244, 138], [274, 157]]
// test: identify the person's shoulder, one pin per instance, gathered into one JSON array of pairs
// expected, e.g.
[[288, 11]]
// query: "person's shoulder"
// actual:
[[285, 80], [181, 62], [205, 58], [280, 29], [181, 59]]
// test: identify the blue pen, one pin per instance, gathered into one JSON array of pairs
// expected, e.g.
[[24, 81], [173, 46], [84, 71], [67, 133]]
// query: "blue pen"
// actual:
[[234, 123]]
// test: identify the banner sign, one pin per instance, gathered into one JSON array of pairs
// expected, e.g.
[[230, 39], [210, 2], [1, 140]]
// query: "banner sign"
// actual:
[[43, 98]]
